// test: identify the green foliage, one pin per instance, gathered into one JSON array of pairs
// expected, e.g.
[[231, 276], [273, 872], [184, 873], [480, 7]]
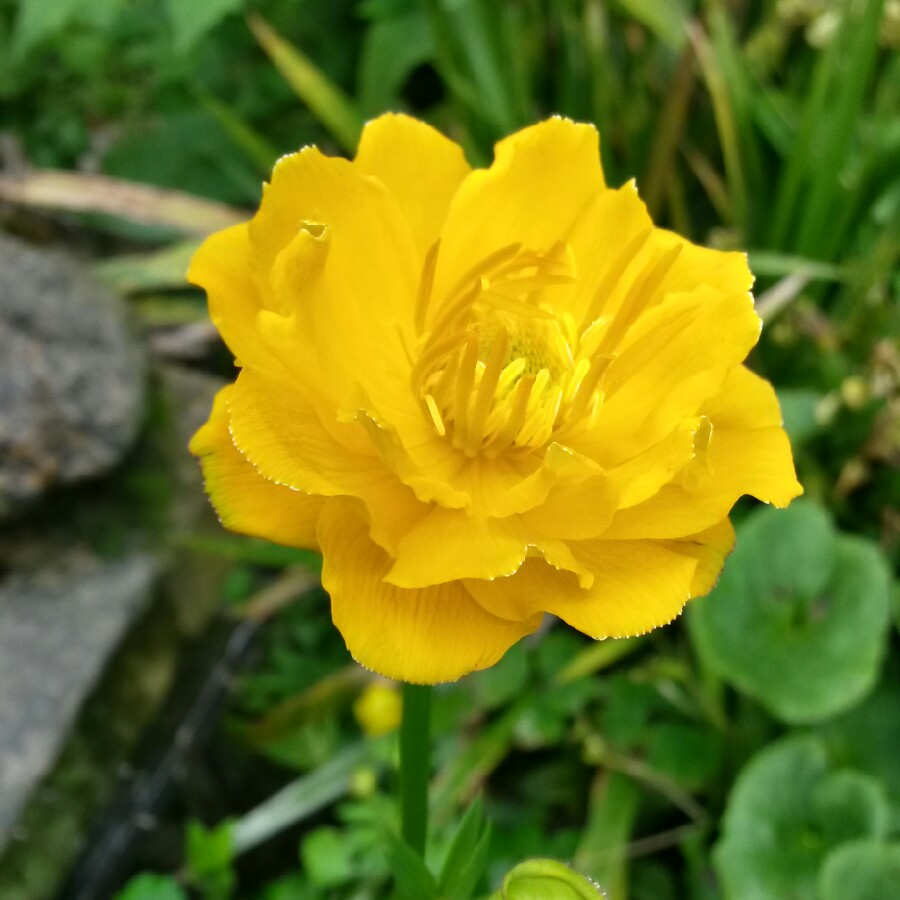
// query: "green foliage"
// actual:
[[789, 809], [767, 126], [804, 633], [210, 854], [151, 887], [190, 21], [866, 870]]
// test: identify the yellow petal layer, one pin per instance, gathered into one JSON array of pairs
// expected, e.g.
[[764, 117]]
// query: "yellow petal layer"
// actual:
[[638, 585], [245, 501], [541, 179], [421, 636], [419, 166]]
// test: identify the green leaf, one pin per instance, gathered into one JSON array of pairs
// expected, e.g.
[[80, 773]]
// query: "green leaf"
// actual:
[[799, 618], [393, 46], [865, 870], [666, 21], [788, 809], [326, 857], [867, 737], [612, 813], [412, 880], [39, 19], [467, 856], [331, 106], [151, 887], [210, 854], [190, 21], [299, 799]]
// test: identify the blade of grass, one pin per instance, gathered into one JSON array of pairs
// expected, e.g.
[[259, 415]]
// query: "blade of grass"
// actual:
[[138, 272], [141, 203], [602, 853], [853, 68], [255, 147], [331, 106], [725, 124], [668, 133], [301, 798]]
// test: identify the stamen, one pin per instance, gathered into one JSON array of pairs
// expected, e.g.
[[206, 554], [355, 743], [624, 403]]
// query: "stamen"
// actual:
[[516, 417], [615, 272], [465, 380], [435, 415], [426, 283], [484, 396]]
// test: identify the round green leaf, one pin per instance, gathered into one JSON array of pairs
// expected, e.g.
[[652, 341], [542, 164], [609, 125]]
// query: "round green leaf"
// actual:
[[799, 618], [788, 810], [866, 737], [865, 870]]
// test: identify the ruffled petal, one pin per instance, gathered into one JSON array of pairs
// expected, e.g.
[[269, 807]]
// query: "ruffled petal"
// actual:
[[637, 586], [364, 297], [419, 166], [222, 266], [541, 179], [748, 453], [245, 501], [678, 357], [421, 636], [448, 544]]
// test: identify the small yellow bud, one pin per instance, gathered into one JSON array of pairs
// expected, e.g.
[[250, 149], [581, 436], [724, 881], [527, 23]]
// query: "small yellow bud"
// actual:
[[379, 708]]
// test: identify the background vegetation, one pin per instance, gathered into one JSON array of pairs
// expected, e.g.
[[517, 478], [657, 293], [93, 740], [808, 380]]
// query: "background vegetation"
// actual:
[[748, 751]]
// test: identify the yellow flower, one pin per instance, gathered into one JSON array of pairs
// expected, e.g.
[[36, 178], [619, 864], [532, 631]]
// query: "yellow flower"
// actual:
[[483, 394]]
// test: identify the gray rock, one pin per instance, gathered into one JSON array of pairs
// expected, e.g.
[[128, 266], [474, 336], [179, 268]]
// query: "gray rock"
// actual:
[[71, 376], [59, 627]]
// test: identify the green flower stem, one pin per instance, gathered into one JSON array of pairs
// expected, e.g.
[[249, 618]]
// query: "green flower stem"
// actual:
[[415, 766]]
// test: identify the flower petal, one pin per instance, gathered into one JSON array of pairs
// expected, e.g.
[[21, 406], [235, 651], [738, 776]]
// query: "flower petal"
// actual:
[[682, 353], [449, 544], [754, 462], [245, 501], [421, 636], [222, 266], [638, 585], [419, 166], [540, 180]]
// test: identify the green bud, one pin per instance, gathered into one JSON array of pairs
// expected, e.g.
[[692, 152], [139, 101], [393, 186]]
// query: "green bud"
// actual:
[[546, 879]]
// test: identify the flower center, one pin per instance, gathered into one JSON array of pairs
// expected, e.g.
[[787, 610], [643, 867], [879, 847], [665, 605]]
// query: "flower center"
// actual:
[[495, 367]]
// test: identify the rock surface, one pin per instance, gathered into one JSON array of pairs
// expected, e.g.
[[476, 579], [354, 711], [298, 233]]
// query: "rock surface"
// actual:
[[71, 378], [58, 628]]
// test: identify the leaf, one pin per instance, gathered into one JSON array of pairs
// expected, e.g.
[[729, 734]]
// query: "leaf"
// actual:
[[799, 618], [76, 192], [788, 809], [393, 46], [412, 880], [666, 21], [331, 106], [299, 799], [864, 870], [151, 887], [467, 856], [40, 19], [326, 857], [190, 21], [612, 813], [138, 272], [210, 854]]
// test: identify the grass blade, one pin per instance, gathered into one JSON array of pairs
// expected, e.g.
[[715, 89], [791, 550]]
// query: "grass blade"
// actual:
[[331, 106]]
